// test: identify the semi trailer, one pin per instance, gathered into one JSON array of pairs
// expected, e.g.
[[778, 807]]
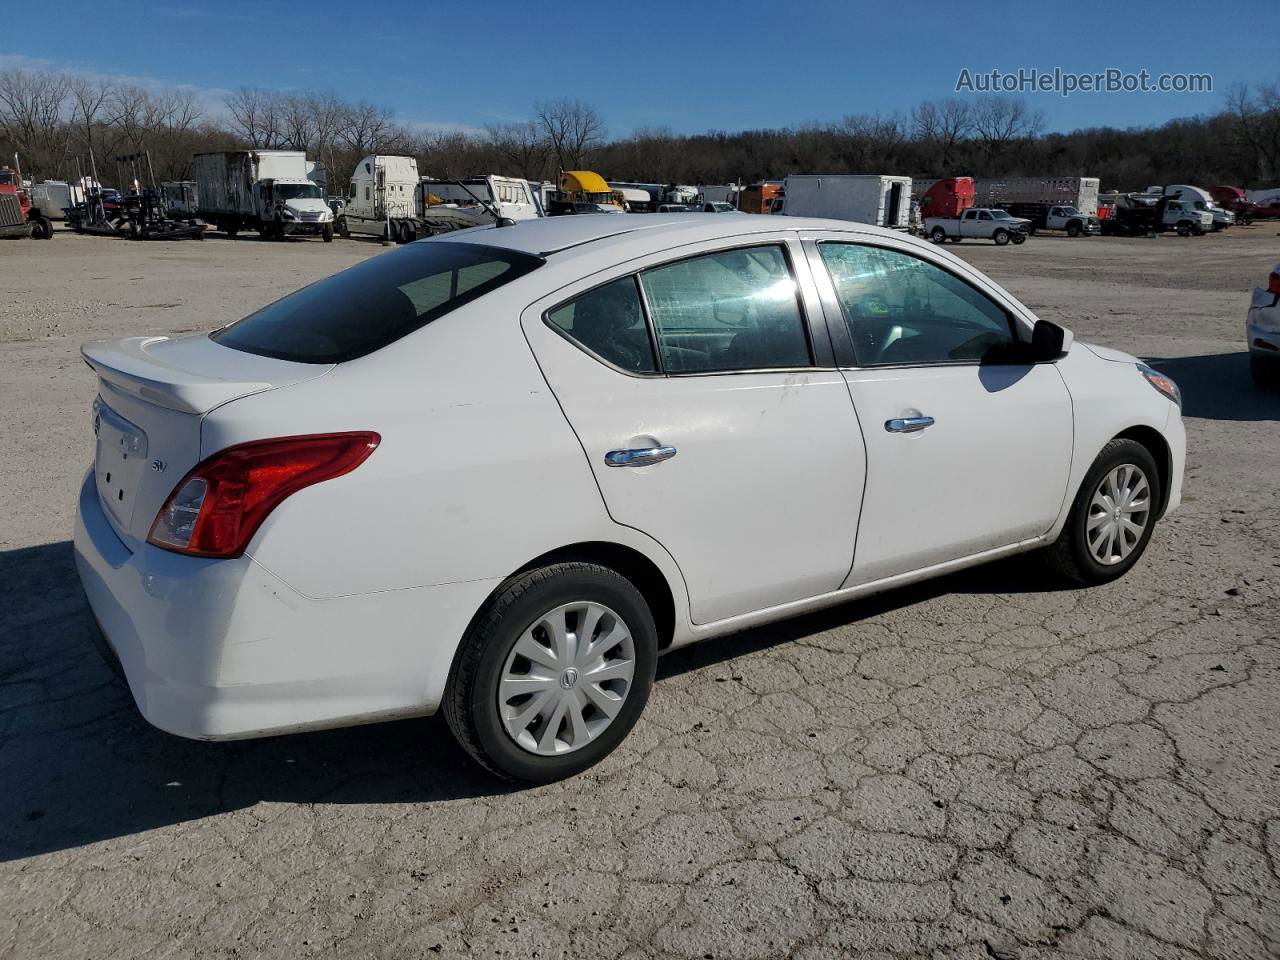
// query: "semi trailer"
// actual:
[[882, 201]]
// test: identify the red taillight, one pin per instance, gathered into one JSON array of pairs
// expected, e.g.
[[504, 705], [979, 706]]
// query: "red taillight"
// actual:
[[215, 509]]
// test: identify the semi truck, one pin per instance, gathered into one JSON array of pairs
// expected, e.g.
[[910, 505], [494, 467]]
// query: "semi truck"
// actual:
[[388, 199], [17, 217], [759, 197], [264, 190], [882, 201]]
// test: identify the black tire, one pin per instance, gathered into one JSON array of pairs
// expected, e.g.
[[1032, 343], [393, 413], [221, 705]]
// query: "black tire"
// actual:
[[1001, 237], [1069, 557], [1184, 229], [1073, 229], [327, 233], [470, 701], [1019, 239], [1265, 373], [42, 228], [938, 235], [231, 232], [343, 231]]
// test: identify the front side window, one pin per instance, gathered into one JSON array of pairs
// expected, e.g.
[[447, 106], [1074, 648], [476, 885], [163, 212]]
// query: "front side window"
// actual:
[[374, 303], [609, 321], [736, 310], [903, 310]]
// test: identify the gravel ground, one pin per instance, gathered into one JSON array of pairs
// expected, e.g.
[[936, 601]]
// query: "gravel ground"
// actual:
[[982, 766]]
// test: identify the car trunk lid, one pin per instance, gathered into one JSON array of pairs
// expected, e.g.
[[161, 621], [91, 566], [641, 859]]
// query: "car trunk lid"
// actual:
[[153, 393]]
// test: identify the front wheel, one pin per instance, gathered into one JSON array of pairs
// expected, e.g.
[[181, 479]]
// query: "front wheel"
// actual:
[[343, 231], [327, 233], [1111, 518], [1019, 239], [1184, 229], [553, 673], [1073, 229], [1001, 237], [42, 228]]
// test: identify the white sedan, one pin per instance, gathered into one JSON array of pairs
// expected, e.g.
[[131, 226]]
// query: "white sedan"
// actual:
[[1262, 332], [499, 471]]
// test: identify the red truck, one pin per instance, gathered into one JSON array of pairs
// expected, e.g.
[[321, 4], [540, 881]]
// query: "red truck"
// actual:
[[17, 218], [1234, 199]]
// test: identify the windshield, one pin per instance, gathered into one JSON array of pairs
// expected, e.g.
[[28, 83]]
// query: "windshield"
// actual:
[[1071, 212], [298, 191], [375, 303]]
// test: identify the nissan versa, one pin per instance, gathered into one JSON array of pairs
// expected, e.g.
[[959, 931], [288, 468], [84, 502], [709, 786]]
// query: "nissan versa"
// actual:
[[498, 472]]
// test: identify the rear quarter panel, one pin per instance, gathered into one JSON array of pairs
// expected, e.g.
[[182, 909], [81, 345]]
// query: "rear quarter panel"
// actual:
[[477, 473]]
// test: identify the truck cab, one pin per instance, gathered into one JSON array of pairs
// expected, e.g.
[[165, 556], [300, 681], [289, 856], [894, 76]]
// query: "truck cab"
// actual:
[[1183, 217], [382, 189], [297, 206], [1201, 200], [1071, 221]]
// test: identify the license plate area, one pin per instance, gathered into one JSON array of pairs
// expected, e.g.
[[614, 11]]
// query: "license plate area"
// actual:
[[119, 462]]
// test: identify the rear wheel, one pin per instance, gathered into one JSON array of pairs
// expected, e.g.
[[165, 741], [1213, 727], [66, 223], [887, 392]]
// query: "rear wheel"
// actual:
[[553, 673], [1001, 237], [938, 235], [1111, 518]]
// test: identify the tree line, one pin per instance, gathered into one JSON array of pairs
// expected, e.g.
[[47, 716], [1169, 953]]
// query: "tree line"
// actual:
[[53, 118]]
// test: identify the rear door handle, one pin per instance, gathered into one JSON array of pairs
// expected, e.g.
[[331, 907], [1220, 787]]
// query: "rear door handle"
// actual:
[[908, 424], [640, 457]]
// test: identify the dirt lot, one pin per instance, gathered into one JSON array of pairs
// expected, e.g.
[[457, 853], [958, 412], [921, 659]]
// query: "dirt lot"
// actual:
[[982, 766]]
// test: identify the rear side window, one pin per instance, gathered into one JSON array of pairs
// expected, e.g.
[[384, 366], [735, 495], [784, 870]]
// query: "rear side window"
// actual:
[[375, 303], [736, 310], [609, 321]]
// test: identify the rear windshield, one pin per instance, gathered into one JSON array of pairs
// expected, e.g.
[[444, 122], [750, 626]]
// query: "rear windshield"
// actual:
[[375, 303]]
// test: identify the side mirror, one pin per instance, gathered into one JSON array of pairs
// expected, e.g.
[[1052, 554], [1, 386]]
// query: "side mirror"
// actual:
[[1049, 342]]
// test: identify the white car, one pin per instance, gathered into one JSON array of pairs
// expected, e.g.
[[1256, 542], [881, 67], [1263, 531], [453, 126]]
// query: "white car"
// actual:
[[498, 472], [1262, 332]]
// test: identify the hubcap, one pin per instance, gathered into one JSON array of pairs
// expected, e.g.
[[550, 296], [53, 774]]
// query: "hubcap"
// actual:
[[566, 678], [1118, 514]]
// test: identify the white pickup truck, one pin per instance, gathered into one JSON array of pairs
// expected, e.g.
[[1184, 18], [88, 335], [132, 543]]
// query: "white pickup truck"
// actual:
[[1183, 217], [982, 223]]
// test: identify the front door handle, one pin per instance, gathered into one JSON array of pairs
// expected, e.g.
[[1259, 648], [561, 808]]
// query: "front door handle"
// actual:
[[908, 424], [640, 457]]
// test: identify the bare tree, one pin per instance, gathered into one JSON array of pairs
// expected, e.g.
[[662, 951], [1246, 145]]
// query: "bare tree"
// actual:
[[32, 117], [522, 145], [944, 124], [573, 130], [999, 121]]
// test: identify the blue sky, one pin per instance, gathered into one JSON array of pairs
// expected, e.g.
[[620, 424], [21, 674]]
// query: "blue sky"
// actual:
[[688, 66]]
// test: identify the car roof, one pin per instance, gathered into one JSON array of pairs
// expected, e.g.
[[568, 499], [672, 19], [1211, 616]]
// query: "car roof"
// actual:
[[547, 236]]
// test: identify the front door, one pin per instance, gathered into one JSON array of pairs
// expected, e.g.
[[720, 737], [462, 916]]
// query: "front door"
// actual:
[[708, 421], [965, 453]]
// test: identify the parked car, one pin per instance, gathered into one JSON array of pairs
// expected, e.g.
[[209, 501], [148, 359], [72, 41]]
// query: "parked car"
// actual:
[[552, 449], [717, 206], [987, 223], [1262, 332]]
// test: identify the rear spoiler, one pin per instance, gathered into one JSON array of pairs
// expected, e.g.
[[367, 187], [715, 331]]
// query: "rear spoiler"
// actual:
[[131, 366]]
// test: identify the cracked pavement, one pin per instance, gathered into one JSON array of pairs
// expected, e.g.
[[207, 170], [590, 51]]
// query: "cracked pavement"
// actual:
[[981, 766]]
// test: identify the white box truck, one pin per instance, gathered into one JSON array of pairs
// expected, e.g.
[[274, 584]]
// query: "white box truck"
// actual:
[[883, 201], [264, 190]]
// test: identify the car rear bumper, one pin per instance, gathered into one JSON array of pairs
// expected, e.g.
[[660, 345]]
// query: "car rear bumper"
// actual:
[[1262, 329], [224, 649]]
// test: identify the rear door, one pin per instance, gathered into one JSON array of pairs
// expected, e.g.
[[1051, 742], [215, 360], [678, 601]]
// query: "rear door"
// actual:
[[964, 453], [701, 385]]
